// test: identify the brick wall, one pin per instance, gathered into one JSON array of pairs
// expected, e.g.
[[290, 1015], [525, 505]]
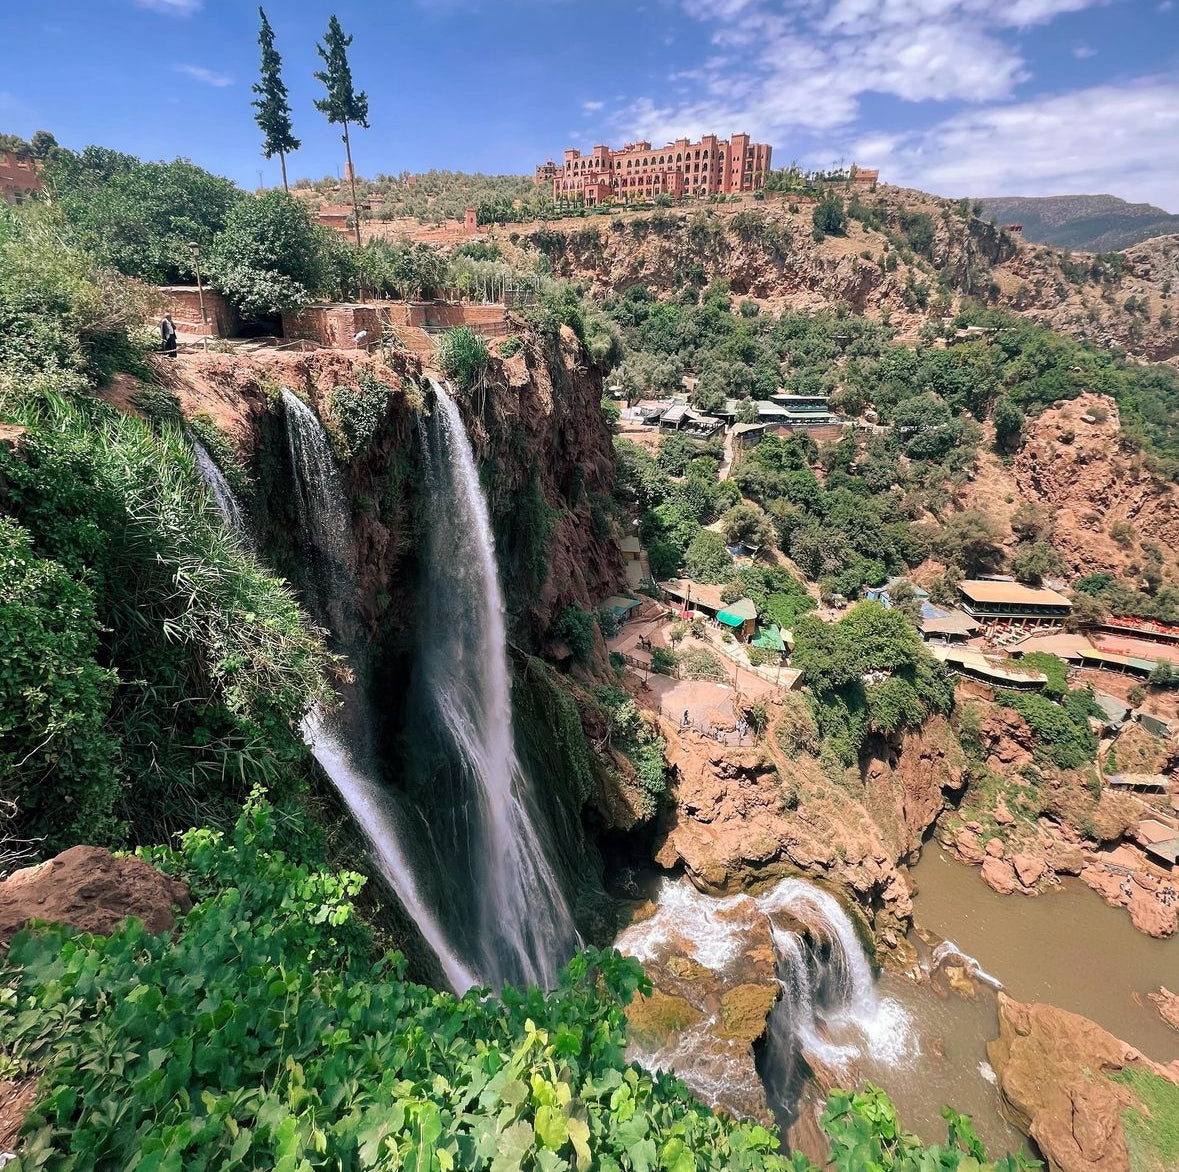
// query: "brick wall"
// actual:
[[184, 304], [334, 325], [18, 177]]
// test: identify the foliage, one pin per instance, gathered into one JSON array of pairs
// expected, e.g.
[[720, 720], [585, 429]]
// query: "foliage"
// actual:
[[676, 452], [707, 559], [1061, 731], [271, 258], [1152, 1133], [829, 216], [140, 217], [272, 104], [360, 411], [1035, 562], [213, 660], [746, 523], [575, 628], [699, 663], [636, 737], [463, 356], [663, 661], [1051, 666], [58, 765], [259, 1034], [341, 104]]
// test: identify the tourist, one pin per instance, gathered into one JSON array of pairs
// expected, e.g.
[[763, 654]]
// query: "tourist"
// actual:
[[168, 336], [687, 719]]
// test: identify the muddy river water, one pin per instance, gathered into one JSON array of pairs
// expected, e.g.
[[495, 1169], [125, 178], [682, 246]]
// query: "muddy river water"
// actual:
[[1066, 948]]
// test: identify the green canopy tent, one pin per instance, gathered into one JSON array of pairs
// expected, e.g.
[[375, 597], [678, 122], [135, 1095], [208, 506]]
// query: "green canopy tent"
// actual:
[[770, 639], [740, 615]]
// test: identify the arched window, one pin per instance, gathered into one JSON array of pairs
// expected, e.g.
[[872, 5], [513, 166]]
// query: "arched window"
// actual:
[[679, 158]]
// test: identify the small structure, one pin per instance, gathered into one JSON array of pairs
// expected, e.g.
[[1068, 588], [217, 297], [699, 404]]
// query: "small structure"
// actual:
[[1010, 602], [692, 596], [1130, 665], [988, 669], [335, 218], [773, 638], [740, 617], [748, 435], [183, 302], [865, 177], [620, 606], [471, 221], [945, 623], [631, 548], [1116, 712], [883, 594], [19, 179], [1156, 725]]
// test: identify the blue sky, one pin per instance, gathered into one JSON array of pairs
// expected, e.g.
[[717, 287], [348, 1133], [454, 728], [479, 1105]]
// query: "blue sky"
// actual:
[[961, 97]]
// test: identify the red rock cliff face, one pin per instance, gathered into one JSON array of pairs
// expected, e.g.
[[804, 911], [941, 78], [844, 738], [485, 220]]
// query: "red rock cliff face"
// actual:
[[538, 432]]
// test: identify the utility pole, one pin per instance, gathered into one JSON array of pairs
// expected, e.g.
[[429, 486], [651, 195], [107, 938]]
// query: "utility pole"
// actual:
[[195, 249]]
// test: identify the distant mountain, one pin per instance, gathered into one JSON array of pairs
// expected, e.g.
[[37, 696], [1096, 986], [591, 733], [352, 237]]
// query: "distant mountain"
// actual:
[[1091, 223]]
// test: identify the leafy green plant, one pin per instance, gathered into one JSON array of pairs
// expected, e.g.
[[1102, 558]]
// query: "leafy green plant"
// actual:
[[360, 411], [463, 356], [575, 628]]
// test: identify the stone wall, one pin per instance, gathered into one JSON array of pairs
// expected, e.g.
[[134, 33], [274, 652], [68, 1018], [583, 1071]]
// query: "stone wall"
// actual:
[[335, 325], [183, 302]]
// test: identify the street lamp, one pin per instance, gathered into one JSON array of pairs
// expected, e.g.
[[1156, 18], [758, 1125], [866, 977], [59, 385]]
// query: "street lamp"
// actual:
[[195, 249]]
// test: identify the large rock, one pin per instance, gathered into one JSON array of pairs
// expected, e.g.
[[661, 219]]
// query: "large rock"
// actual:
[[1029, 868], [999, 875], [1167, 1003], [89, 889], [1055, 1084]]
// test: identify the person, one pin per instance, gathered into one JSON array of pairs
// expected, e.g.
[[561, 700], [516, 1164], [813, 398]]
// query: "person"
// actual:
[[168, 336], [687, 719]]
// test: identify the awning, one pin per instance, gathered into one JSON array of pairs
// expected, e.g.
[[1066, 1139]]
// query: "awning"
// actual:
[[738, 613], [770, 638], [620, 605]]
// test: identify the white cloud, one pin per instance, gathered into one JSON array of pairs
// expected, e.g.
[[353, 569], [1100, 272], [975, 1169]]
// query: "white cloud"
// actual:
[[1107, 139], [203, 75], [1084, 52], [171, 7], [592, 107], [786, 66]]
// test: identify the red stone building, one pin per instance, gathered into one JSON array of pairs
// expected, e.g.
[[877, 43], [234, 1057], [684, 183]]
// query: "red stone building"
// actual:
[[712, 166], [18, 177]]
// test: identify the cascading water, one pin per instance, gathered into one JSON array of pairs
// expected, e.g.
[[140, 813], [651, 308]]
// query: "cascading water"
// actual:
[[828, 1012], [324, 521], [517, 917], [219, 489], [323, 515]]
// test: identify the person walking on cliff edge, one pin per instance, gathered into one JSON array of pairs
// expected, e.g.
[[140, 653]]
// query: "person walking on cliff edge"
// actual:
[[168, 336]]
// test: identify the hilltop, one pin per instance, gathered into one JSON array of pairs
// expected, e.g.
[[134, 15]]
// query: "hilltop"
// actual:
[[1091, 223]]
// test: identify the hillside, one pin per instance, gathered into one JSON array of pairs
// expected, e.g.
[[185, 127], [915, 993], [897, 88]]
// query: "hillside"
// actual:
[[1090, 223], [898, 255]]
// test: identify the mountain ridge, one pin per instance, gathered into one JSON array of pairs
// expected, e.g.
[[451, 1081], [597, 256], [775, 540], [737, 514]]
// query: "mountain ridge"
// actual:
[[1087, 222]]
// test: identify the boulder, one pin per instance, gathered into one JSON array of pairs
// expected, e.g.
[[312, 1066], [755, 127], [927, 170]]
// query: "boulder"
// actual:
[[968, 846], [1054, 1072], [1029, 868], [1167, 1003], [995, 848], [999, 875], [1149, 914], [89, 889]]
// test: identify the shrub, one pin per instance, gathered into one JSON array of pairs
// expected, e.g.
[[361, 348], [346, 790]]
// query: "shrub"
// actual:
[[829, 217], [575, 628], [698, 663], [1061, 736], [511, 346], [463, 356], [707, 560], [663, 661], [360, 411]]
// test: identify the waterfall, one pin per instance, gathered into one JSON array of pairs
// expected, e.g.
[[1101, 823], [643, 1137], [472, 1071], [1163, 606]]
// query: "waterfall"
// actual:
[[828, 1011], [323, 515], [219, 489], [371, 808], [323, 518], [519, 920]]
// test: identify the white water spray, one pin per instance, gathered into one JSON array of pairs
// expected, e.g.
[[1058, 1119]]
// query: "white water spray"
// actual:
[[370, 806], [524, 928], [220, 490]]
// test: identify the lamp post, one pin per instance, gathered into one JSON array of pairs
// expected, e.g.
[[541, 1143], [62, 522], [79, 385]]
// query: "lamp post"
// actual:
[[195, 249]]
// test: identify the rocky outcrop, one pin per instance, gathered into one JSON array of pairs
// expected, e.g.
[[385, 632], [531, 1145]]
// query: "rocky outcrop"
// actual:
[[1074, 464], [741, 816], [1140, 893], [1057, 1083], [1167, 1003], [89, 889]]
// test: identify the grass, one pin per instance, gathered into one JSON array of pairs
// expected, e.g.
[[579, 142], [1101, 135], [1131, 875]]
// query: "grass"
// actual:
[[1152, 1135]]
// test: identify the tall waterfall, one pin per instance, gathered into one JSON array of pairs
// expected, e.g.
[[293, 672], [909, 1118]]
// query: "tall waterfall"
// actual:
[[325, 528], [219, 489], [521, 924], [323, 516]]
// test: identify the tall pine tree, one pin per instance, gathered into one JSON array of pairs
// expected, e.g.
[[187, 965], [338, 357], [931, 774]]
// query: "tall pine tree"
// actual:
[[274, 110], [342, 105]]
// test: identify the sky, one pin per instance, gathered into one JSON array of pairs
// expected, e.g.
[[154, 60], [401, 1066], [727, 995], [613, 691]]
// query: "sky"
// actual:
[[958, 97]]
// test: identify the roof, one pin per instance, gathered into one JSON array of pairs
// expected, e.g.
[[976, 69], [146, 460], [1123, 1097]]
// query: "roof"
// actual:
[[973, 660], [629, 544], [698, 592], [620, 604], [770, 638], [978, 590], [1114, 708], [1062, 644], [674, 413], [743, 428], [1167, 849], [1112, 657], [736, 613], [946, 622]]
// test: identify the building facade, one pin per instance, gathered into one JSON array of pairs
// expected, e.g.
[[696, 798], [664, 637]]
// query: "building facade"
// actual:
[[712, 166], [18, 177]]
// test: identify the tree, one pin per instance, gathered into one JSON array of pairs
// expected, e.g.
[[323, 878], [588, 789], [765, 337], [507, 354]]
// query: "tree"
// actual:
[[271, 258], [43, 145], [1033, 563], [707, 559], [1009, 421], [746, 523], [829, 217], [274, 109], [343, 105], [970, 539]]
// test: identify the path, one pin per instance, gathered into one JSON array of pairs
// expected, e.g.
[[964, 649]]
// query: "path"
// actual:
[[727, 464]]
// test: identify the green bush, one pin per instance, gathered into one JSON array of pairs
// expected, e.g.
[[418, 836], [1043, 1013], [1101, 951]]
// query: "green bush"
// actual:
[[664, 661], [699, 663], [463, 356], [575, 628], [1061, 731], [635, 736], [359, 411], [511, 346]]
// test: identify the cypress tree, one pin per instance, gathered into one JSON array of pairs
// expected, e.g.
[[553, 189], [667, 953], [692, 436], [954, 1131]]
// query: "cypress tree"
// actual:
[[274, 110], [342, 105]]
